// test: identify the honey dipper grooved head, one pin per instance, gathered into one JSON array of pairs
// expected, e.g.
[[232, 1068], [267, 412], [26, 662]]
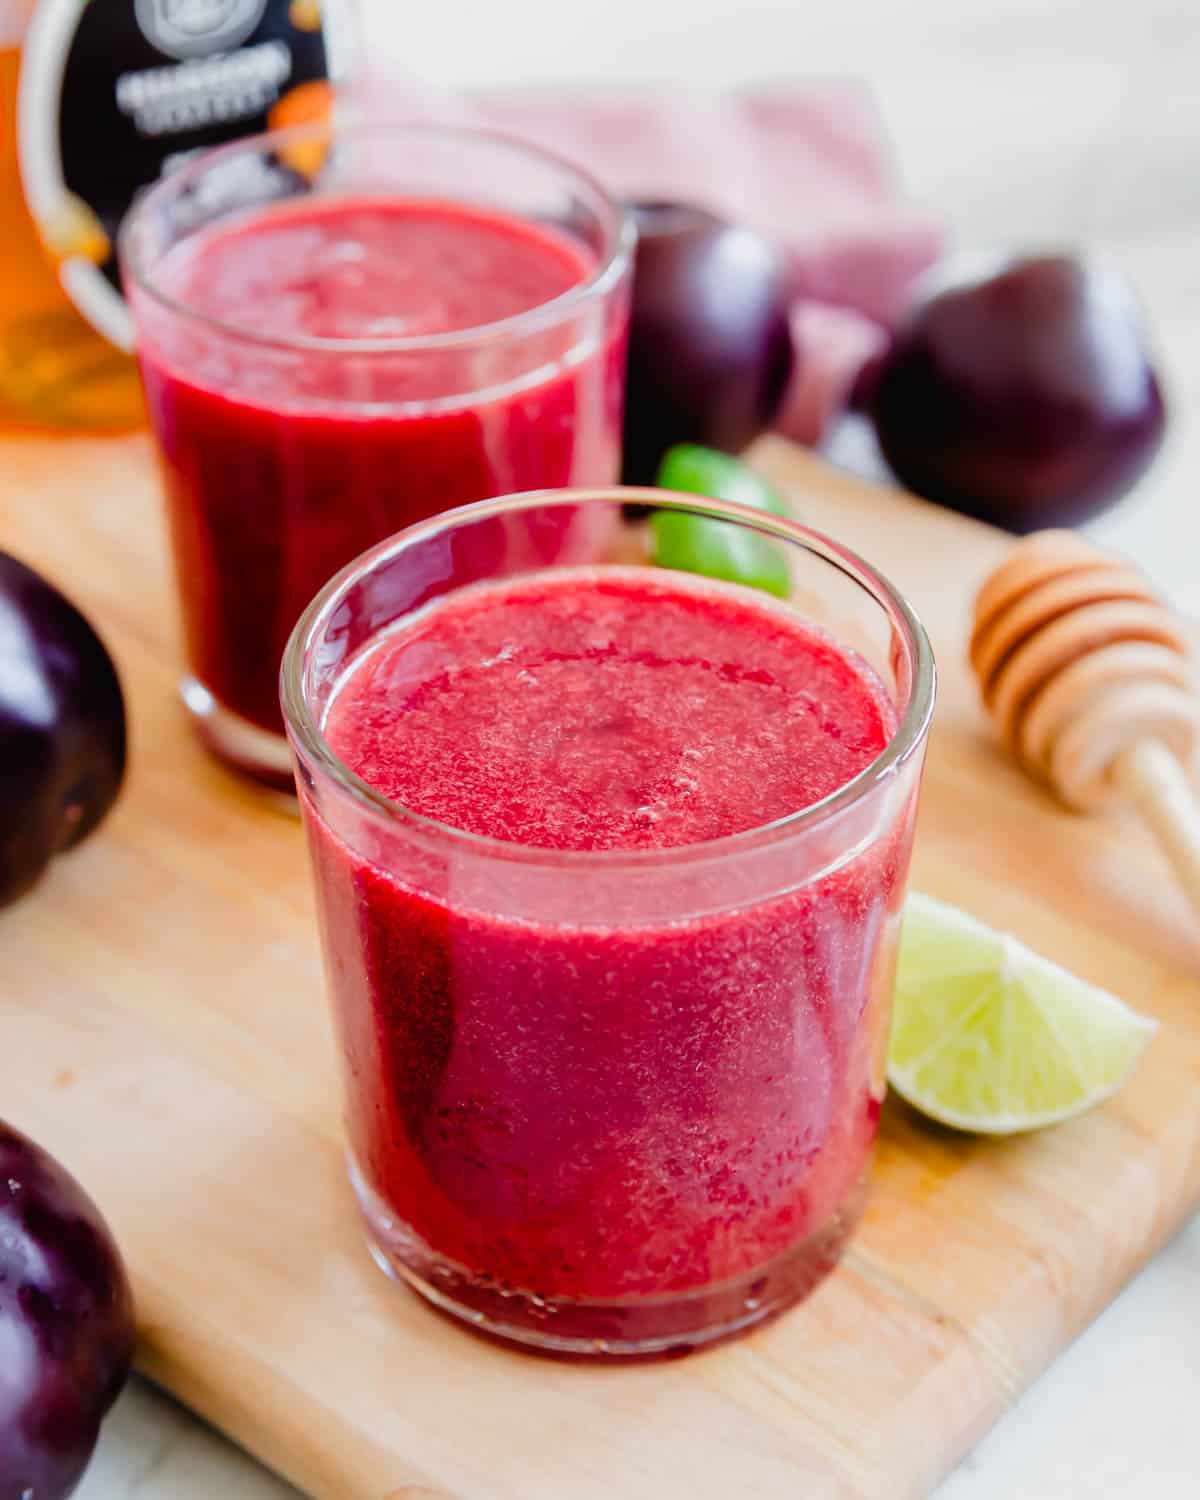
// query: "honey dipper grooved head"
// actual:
[[1077, 660]]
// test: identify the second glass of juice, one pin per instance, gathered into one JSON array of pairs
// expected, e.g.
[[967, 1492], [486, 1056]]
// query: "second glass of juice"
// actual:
[[342, 331], [610, 861]]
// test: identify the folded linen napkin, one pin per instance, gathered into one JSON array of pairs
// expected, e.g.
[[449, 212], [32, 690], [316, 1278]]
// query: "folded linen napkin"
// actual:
[[807, 165]]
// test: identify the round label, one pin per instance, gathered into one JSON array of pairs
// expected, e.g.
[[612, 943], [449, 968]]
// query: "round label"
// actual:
[[115, 93], [196, 28]]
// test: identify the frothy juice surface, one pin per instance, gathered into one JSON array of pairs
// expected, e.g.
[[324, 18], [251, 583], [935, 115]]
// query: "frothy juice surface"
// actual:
[[282, 463], [639, 1122], [621, 713], [368, 269]]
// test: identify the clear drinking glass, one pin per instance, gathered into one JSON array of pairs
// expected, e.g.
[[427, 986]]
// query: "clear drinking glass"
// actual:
[[608, 1102], [284, 455]]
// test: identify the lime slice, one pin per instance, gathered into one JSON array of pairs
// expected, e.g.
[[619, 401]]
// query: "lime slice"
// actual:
[[988, 1036], [718, 549]]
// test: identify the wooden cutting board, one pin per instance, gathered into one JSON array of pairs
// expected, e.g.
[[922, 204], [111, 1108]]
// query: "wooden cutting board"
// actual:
[[162, 1030]]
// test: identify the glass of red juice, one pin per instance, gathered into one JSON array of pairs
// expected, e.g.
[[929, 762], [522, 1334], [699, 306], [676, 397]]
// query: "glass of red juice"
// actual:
[[342, 331], [610, 861]]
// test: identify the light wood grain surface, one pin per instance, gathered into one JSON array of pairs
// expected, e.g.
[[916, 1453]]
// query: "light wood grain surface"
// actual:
[[1060, 121], [165, 991]]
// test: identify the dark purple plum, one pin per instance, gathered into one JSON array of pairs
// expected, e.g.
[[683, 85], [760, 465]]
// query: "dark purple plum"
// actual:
[[62, 727], [66, 1323], [710, 347], [1023, 395]]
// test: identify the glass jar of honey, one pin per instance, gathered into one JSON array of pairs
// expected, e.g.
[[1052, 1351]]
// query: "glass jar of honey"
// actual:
[[98, 99]]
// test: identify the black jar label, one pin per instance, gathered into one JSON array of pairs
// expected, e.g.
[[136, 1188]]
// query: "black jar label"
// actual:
[[116, 93]]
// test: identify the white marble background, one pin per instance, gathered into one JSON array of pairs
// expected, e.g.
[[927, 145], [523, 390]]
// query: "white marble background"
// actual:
[[1021, 122]]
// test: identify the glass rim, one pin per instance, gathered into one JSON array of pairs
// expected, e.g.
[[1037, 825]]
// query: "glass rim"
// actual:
[[309, 742], [621, 235]]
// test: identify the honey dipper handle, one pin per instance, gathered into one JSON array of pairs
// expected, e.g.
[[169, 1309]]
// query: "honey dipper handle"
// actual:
[[1154, 781]]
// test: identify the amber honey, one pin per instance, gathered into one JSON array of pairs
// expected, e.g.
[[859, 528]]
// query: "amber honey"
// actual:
[[56, 371]]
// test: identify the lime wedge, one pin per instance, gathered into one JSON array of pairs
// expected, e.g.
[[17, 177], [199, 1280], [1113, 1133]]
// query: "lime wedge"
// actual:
[[988, 1036], [707, 471], [718, 549]]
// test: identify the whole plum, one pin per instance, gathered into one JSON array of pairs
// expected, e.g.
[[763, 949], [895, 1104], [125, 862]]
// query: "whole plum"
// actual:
[[66, 1323], [62, 727], [710, 345], [1022, 393]]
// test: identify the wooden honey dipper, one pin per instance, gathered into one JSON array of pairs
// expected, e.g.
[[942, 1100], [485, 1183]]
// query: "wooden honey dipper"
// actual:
[[1089, 678]]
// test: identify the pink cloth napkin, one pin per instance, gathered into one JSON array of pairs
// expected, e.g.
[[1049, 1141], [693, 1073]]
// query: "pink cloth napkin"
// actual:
[[808, 165]]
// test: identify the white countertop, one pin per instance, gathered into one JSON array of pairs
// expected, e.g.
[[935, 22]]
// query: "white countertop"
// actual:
[[1021, 122]]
